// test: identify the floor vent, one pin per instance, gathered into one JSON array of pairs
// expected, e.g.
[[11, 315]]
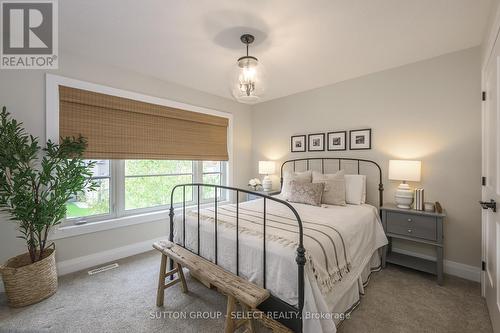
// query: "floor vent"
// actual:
[[103, 269]]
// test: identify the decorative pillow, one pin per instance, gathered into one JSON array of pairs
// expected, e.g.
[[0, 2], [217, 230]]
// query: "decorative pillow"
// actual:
[[306, 193], [299, 177], [355, 189], [334, 193]]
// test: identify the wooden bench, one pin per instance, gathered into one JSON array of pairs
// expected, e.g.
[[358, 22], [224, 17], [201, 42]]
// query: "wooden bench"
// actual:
[[236, 288]]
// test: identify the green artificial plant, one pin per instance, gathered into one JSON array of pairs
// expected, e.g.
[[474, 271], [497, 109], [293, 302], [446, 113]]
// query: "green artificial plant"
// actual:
[[36, 183]]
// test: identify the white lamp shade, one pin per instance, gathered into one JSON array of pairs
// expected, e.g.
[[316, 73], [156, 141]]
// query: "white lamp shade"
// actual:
[[266, 167], [405, 170]]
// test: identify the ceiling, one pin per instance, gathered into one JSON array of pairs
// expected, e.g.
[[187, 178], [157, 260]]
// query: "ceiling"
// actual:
[[302, 44]]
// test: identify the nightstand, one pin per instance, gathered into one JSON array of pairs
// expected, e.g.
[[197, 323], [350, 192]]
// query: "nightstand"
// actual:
[[253, 197], [414, 226]]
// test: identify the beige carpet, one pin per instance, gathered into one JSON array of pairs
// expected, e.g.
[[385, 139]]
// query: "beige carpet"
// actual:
[[403, 300], [123, 300]]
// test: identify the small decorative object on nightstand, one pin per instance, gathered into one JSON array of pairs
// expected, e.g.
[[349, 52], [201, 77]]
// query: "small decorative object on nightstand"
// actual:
[[429, 207], [267, 168], [255, 184], [415, 226], [254, 197], [405, 171]]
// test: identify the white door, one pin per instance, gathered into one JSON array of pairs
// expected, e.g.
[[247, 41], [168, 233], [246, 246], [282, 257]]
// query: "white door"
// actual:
[[491, 189]]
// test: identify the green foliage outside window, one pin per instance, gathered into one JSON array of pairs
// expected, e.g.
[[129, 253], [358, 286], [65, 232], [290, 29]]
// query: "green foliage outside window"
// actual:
[[141, 192]]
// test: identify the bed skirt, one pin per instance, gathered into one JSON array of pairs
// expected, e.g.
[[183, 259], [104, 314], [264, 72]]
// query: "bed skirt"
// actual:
[[351, 298]]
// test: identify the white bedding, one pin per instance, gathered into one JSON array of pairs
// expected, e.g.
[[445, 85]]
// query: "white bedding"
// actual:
[[358, 225]]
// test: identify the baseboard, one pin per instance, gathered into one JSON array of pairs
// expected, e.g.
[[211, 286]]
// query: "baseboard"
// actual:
[[77, 264], [463, 271]]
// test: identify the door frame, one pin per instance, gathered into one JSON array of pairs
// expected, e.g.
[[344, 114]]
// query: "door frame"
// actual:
[[483, 190], [490, 45]]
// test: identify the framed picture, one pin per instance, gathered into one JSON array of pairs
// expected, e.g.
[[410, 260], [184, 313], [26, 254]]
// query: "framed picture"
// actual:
[[360, 139], [298, 143], [316, 142], [336, 141]]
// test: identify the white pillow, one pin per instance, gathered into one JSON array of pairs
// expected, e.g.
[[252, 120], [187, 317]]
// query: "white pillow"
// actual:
[[355, 189], [334, 193], [299, 177]]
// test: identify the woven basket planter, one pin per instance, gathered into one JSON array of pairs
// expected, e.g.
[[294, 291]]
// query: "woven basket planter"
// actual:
[[28, 283]]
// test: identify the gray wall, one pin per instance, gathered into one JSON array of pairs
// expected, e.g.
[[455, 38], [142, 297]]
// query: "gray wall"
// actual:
[[429, 110], [23, 92]]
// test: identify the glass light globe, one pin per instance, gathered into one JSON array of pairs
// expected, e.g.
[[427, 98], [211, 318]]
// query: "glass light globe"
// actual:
[[247, 83]]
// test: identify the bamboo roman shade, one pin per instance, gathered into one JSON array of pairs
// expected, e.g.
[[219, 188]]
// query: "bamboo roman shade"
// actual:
[[121, 128]]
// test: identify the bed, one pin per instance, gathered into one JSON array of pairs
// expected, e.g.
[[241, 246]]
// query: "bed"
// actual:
[[315, 261]]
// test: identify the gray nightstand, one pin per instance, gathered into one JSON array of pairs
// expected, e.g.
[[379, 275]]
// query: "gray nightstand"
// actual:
[[253, 197], [415, 226]]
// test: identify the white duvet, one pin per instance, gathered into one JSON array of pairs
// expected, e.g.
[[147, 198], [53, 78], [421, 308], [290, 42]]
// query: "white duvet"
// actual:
[[358, 225]]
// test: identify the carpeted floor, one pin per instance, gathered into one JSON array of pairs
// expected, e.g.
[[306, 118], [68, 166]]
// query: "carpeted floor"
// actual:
[[123, 300]]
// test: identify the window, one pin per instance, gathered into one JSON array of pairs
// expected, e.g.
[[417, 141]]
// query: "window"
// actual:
[[93, 203], [127, 187], [212, 173], [148, 183]]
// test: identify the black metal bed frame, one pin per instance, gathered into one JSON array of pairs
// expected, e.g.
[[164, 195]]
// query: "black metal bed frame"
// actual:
[[290, 315], [339, 159]]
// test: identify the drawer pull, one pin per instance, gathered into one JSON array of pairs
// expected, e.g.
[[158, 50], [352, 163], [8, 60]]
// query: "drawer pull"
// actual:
[[409, 231], [409, 220]]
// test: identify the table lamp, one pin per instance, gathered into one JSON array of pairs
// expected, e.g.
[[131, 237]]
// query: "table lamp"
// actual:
[[404, 171], [267, 168]]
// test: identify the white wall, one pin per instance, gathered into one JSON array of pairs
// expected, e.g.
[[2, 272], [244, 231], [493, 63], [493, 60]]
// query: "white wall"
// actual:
[[429, 110], [23, 92]]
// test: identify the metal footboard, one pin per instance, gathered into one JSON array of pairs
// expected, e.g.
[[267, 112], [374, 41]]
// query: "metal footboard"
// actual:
[[293, 314]]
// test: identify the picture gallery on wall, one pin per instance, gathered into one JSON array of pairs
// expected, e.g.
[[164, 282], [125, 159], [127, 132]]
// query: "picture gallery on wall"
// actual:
[[358, 140]]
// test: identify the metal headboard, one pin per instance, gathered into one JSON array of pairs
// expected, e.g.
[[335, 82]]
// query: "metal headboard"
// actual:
[[339, 159]]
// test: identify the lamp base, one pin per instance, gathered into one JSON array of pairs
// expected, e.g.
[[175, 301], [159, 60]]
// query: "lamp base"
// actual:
[[267, 184], [404, 196]]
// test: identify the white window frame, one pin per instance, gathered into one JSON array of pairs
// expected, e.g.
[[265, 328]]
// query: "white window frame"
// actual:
[[130, 212], [197, 178], [99, 217], [223, 181], [117, 191], [116, 220]]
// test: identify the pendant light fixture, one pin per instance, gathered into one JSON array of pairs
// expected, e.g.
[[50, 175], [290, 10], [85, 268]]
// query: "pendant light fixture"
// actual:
[[247, 82]]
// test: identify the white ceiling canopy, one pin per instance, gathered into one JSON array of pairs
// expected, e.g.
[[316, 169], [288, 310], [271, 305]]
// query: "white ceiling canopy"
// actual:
[[303, 44]]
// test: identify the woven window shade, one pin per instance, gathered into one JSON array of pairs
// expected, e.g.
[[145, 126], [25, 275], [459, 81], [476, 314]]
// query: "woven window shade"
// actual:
[[121, 128]]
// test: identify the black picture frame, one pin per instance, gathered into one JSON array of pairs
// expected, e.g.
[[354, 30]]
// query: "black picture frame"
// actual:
[[295, 149], [366, 133], [328, 141], [311, 146]]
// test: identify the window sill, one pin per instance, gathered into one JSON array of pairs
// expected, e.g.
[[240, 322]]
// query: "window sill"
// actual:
[[117, 222]]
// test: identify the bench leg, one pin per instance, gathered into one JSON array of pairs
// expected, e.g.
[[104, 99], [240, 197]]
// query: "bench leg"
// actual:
[[250, 326], [160, 295], [232, 324], [183, 279], [229, 326]]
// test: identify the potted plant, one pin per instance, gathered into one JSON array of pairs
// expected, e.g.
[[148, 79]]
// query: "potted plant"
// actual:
[[35, 184]]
